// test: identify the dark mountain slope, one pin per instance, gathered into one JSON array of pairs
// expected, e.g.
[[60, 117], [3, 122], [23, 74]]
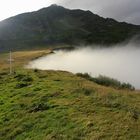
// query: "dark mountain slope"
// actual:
[[57, 25]]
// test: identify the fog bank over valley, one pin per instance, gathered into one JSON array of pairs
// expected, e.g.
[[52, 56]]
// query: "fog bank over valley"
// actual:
[[121, 62]]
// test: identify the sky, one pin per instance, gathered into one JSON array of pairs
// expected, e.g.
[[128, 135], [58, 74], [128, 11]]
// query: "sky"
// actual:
[[121, 10]]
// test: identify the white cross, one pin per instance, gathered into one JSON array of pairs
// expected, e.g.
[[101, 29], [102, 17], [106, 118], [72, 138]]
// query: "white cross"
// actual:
[[10, 62]]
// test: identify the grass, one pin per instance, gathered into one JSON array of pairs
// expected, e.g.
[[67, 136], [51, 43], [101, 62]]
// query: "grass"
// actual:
[[58, 105], [20, 58]]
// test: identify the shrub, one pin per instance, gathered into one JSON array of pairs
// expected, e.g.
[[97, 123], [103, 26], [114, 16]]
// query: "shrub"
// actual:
[[84, 75], [87, 92], [24, 78], [39, 107], [127, 86], [36, 70], [22, 84], [19, 76], [107, 81]]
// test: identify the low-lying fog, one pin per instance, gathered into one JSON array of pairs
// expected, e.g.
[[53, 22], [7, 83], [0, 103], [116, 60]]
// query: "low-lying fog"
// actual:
[[120, 62]]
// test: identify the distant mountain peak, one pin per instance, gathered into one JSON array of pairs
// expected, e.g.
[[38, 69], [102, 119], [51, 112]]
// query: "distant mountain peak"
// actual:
[[56, 6], [53, 7], [58, 25]]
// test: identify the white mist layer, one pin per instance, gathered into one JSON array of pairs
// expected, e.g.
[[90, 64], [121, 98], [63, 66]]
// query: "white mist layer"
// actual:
[[122, 63]]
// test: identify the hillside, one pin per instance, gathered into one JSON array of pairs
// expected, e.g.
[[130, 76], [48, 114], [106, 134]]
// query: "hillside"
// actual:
[[56, 25], [58, 105]]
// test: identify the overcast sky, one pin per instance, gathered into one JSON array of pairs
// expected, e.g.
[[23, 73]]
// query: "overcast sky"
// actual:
[[122, 10]]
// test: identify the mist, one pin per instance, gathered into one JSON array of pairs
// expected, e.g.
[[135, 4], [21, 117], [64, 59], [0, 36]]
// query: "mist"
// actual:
[[121, 62]]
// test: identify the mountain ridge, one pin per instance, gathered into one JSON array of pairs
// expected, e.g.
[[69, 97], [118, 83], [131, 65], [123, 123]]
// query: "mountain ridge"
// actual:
[[58, 25]]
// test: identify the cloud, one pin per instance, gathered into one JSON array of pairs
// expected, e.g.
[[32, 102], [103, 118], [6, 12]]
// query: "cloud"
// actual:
[[120, 62], [126, 10]]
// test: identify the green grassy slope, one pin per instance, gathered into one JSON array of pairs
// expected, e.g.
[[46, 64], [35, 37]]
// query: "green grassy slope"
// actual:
[[56, 105]]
